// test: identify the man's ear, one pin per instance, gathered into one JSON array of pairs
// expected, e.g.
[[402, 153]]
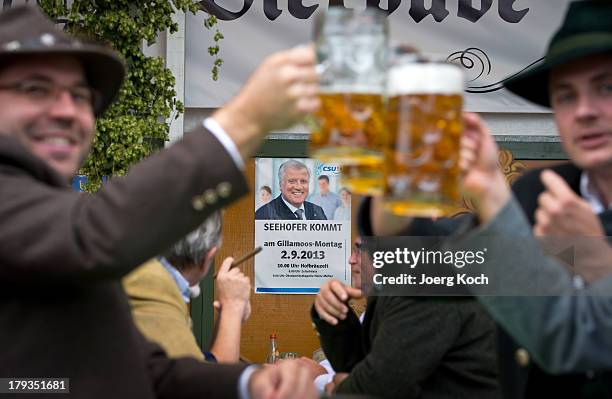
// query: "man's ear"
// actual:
[[207, 261]]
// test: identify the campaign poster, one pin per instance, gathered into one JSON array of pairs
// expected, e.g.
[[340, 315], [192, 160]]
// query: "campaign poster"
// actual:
[[303, 224]]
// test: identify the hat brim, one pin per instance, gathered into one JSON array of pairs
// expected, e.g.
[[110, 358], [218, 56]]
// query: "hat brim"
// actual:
[[533, 84], [104, 70]]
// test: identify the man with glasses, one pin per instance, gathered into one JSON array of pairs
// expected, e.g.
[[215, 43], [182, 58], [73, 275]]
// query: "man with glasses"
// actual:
[[322, 371], [62, 308], [406, 347]]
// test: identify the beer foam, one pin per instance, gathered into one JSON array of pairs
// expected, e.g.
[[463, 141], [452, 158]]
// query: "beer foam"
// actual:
[[425, 78], [351, 89]]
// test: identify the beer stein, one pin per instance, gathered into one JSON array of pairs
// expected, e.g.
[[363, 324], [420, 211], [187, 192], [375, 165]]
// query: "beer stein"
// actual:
[[425, 125], [349, 128]]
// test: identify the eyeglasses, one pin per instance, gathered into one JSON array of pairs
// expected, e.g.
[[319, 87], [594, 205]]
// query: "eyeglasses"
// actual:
[[45, 92]]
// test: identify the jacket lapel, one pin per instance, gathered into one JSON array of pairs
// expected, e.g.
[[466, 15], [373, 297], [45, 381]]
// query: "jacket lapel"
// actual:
[[282, 209], [606, 221], [310, 214]]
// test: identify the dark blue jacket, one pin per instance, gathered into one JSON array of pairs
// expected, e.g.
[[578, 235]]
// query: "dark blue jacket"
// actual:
[[278, 210]]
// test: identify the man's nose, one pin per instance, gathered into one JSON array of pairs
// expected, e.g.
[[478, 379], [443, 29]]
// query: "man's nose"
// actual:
[[587, 108], [63, 106]]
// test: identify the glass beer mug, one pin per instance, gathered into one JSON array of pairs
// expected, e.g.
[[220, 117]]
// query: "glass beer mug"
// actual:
[[349, 128], [425, 125]]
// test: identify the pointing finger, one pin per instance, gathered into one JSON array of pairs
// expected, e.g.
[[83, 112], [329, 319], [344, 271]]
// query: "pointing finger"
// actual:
[[556, 185]]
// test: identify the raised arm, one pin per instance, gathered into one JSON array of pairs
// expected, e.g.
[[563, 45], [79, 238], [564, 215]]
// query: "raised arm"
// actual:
[[529, 293], [164, 197], [565, 329]]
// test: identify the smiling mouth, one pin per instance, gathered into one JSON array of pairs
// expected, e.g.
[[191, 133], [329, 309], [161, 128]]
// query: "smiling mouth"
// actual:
[[54, 146], [593, 140], [59, 141]]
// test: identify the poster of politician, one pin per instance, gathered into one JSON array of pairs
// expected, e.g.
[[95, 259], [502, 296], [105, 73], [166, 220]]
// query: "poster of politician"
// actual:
[[303, 224]]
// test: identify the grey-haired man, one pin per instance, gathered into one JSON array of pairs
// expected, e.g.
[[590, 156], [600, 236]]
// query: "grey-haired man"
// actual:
[[62, 254], [160, 292], [291, 204]]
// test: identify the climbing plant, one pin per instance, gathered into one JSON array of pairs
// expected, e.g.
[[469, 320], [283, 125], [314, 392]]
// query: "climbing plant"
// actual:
[[146, 105]]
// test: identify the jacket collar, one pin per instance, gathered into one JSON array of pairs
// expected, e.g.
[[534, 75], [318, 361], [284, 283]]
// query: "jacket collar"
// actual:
[[14, 155]]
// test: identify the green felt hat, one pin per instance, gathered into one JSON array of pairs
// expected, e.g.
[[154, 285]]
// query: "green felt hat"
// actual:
[[586, 30]]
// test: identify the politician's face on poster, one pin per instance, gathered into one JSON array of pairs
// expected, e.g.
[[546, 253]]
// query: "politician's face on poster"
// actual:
[[294, 185], [300, 189], [303, 225]]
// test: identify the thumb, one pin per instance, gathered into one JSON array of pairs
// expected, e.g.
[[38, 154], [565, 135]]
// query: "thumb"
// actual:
[[217, 305], [354, 292], [225, 266], [478, 142]]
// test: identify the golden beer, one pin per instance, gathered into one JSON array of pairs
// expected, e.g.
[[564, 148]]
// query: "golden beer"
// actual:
[[349, 128], [364, 179], [350, 131], [425, 126]]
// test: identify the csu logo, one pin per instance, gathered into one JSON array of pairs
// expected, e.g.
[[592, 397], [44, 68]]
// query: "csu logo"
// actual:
[[328, 169]]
